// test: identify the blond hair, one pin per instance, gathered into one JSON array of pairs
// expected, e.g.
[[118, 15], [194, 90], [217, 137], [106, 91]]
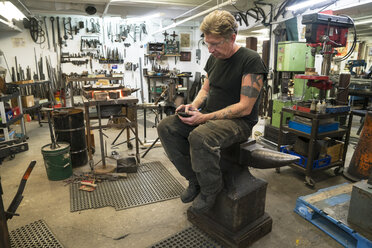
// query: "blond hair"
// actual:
[[219, 22]]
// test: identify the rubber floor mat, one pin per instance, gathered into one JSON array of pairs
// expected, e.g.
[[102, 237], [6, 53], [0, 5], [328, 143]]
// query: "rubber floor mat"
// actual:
[[188, 238], [36, 234], [152, 183]]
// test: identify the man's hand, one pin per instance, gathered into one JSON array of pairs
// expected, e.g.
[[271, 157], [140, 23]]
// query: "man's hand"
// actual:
[[185, 108], [195, 118]]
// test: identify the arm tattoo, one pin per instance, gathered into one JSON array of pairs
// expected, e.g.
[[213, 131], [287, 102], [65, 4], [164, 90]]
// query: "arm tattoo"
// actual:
[[257, 79], [250, 92]]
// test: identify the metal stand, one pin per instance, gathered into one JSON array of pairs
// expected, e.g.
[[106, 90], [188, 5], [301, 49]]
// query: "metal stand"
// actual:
[[102, 169], [132, 125], [156, 123]]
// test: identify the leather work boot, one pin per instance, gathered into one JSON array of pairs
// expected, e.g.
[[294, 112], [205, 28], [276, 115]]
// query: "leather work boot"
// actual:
[[189, 194], [203, 203]]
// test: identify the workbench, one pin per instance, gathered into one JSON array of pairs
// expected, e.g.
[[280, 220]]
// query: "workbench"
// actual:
[[126, 102], [79, 87]]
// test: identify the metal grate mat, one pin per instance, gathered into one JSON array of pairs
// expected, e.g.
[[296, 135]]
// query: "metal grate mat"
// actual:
[[35, 235], [189, 238], [152, 183]]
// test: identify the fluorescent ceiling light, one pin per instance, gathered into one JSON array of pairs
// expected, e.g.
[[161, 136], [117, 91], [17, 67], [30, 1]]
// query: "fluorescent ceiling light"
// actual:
[[305, 4], [260, 31], [143, 18], [218, 6], [241, 37], [9, 11], [363, 22]]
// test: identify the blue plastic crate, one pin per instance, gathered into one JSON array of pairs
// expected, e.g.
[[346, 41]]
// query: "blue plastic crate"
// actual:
[[317, 164], [307, 128]]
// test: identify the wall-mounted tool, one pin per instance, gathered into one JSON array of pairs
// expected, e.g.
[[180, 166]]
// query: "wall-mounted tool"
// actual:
[[53, 36], [59, 32], [36, 75], [36, 30], [46, 31], [64, 29], [165, 36], [70, 25], [174, 35]]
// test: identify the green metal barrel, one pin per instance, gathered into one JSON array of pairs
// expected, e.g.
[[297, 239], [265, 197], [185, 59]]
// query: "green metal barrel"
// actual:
[[57, 161]]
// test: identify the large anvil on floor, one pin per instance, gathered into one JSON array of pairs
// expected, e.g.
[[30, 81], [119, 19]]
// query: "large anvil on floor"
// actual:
[[238, 217]]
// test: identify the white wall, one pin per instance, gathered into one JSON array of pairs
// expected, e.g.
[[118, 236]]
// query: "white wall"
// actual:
[[21, 45]]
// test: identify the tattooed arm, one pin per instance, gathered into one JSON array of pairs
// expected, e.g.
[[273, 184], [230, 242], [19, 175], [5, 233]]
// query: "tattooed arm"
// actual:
[[199, 99], [250, 90], [202, 94]]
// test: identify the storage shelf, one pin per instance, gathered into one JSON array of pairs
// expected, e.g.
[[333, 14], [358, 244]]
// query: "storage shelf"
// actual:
[[313, 136], [36, 106], [10, 122], [28, 84], [337, 133]]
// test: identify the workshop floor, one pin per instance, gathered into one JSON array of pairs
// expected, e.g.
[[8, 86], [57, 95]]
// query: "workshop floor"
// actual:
[[146, 225]]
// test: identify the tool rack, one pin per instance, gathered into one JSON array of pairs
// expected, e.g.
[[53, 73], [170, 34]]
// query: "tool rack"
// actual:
[[313, 136]]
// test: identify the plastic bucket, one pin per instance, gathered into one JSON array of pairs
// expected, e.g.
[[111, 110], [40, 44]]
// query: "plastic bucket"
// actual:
[[57, 161]]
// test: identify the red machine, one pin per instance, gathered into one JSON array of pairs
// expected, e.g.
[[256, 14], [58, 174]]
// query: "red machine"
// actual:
[[327, 31], [331, 29]]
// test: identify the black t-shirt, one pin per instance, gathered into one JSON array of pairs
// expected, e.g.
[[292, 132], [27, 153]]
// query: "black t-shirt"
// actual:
[[225, 79]]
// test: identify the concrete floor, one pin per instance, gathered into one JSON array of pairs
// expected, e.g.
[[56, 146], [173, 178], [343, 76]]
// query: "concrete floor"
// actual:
[[146, 225]]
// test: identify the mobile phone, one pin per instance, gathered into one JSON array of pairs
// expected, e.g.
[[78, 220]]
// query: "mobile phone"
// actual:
[[183, 114]]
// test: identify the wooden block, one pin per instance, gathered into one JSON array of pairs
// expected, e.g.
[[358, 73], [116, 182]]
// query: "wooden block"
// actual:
[[24, 82]]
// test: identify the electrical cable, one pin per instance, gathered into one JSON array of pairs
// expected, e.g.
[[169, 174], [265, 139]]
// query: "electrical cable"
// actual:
[[259, 12]]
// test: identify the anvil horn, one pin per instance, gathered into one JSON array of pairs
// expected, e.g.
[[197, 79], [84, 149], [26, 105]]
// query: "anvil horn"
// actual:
[[265, 159], [256, 156]]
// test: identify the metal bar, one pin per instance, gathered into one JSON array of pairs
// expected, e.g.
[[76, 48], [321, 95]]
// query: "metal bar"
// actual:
[[101, 136]]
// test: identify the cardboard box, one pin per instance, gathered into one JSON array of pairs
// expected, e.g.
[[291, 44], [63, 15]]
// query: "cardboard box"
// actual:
[[336, 151], [28, 101]]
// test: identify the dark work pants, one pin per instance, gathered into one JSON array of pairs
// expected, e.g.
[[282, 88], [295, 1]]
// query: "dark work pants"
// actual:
[[195, 150]]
